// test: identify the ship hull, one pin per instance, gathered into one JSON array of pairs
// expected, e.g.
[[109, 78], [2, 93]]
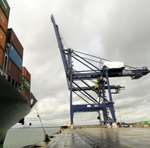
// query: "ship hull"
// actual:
[[13, 107]]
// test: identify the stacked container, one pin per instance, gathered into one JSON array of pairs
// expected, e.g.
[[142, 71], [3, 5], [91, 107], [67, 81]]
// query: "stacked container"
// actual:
[[4, 16], [25, 82], [11, 54], [15, 57]]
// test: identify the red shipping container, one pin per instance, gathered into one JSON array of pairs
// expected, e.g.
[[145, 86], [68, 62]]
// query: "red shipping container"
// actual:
[[1, 57], [26, 74], [3, 21], [14, 71], [2, 38], [12, 39]]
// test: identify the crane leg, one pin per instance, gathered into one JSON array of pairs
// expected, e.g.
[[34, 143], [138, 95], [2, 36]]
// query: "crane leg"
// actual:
[[71, 117], [112, 111], [105, 116]]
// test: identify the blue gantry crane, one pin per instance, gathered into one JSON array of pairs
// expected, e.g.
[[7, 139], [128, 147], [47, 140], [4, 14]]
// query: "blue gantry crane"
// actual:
[[88, 78]]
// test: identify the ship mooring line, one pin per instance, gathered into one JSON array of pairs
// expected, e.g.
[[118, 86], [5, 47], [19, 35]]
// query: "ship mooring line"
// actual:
[[46, 137]]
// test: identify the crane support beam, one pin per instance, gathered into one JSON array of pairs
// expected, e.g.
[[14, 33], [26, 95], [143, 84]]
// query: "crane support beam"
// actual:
[[91, 107], [92, 88]]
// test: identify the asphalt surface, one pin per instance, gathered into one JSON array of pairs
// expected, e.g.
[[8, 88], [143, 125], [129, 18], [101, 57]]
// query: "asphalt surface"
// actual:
[[102, 138]]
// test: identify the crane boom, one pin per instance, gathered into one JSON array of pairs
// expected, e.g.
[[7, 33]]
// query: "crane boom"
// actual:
[[60, 44], [134, 74]]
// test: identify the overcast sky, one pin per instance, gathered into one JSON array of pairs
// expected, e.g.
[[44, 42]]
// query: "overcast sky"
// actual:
[[114, 29]]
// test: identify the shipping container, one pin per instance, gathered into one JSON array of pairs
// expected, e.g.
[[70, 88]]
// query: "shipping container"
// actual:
[[3, 21], [13, 71], [26, 74], [5, 64], [25, 87], [5, 7], [1, 57], [14, 56], [25, 84], [2, 38], [12, 39]]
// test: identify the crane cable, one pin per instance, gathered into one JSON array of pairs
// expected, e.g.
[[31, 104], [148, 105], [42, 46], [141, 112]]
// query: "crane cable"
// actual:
[[102, 59]]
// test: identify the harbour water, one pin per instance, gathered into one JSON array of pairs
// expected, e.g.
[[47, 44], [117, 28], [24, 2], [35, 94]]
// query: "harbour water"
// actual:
[[19, 137]]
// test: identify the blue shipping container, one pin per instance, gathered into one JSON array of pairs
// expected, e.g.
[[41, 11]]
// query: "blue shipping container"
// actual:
[[13, 55]]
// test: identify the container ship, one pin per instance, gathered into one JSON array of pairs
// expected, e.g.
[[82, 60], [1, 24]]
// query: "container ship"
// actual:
[[16, 99]]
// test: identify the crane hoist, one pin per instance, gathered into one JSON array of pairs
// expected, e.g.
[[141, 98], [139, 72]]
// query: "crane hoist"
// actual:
[[88, 78]]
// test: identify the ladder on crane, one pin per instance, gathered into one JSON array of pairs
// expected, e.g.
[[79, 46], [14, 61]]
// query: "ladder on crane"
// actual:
[[91, 81]]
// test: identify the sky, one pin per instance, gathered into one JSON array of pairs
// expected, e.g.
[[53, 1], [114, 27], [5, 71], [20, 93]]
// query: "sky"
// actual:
[[113, 29]]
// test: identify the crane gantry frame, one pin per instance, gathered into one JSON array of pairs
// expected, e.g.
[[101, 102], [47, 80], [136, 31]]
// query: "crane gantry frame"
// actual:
[[81, 83]]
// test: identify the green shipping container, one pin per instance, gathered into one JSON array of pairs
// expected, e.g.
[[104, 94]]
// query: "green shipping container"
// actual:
[[147, 122], [25, 84], [5, 7]]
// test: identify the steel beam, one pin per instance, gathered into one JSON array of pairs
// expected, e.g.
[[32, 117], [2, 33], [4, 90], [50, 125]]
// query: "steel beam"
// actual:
[[91, 107], [92, 88], [134, 74]]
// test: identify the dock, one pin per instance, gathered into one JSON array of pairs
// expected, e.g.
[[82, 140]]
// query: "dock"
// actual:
[[100, 138]]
